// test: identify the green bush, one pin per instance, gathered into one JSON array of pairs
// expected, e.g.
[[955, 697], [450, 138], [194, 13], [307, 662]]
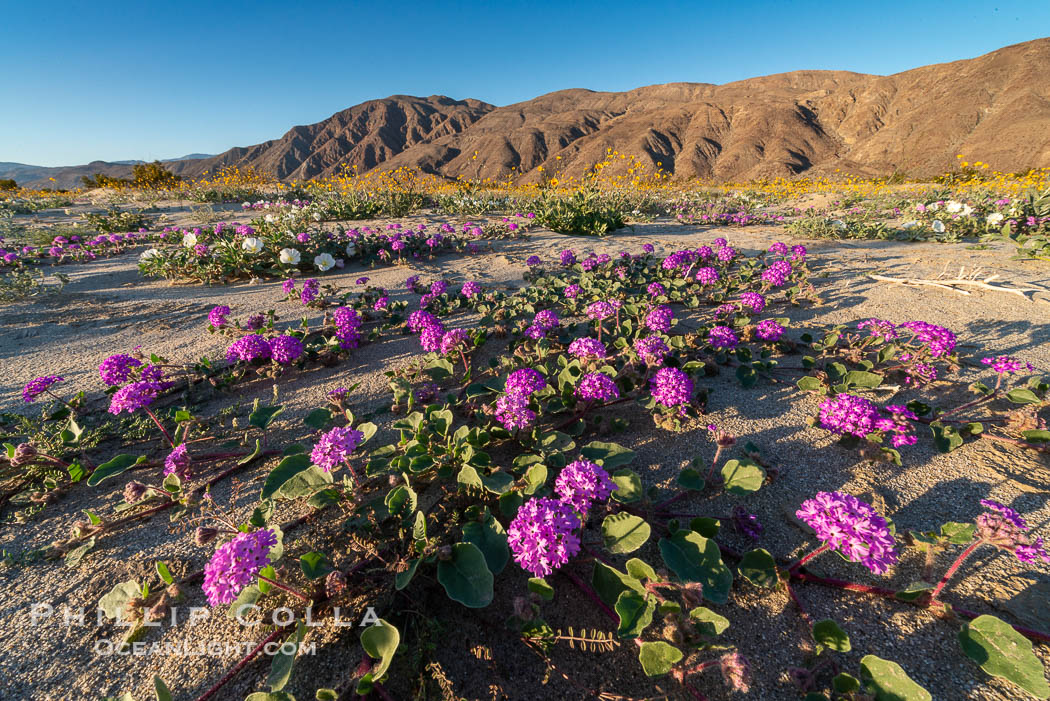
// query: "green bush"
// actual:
[[587, 212]]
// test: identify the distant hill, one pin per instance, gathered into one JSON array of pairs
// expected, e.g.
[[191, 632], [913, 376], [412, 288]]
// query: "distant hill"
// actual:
[[994, 108], [69, 176]]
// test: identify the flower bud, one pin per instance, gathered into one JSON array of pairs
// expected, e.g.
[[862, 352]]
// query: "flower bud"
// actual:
[[204, 535], [23, 454], [736, 671], [334, 584], [134, 491]]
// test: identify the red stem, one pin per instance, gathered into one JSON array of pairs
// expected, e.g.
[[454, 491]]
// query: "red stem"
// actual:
[[243, 663], [951, 570], [590, 594]]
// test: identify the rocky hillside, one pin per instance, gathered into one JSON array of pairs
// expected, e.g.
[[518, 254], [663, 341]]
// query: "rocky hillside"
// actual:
[[994, 108]]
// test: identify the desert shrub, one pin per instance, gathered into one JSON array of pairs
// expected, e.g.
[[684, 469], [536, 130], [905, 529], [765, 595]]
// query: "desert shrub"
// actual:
[[117, 220], [586, 212]]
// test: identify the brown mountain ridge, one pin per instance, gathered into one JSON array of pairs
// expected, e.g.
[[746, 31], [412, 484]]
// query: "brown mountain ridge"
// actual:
[[994, 108]]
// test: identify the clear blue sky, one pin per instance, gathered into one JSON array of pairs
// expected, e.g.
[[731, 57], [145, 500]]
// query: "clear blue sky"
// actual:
[[116, 80]]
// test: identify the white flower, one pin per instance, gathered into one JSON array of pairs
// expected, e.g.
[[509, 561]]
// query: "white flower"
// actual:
[[351, 249], [268, 218], [290, 256], [937, 226], [246, 205], [324, 262], [317, 216], [994, 218], [149, 254], [910, 224], [189, 240], [967, 210], [252, 244], [953, 206], [933, 206], [838, 224]]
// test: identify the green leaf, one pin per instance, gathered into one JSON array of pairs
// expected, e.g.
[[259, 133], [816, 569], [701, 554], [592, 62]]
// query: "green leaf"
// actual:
[[691, 479], [1036, 436], [708, 622], [368, 429], [285, 470], [304, 483], [946, 438], [641, 570], [269, 696], [491, 539], [74, 556], [318, 419], [759, 568], [694, 558], [1003, 652], [535, 478], [845, 683], [889, 682], [810, 384], [828, 633], [705, 526], [538, 585], [380, 641], [165, 574], [743, 477], [262, 417], [465, 577], [403, 579], [113, 603], [160, 689], [958, 533], [859, 378], [624, 532], [635, 612], [658, 658], [326, 695], [245, 600], [914, 591], [608, 455], [609, 583], [314, 565], [1022, 396], [112, 467], [628, 486], [284, 660]]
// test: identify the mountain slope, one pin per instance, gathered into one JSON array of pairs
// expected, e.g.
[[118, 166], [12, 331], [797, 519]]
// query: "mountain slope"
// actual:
[[994, 108]]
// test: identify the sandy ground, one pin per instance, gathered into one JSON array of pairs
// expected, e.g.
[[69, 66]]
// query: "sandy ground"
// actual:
[[107, 308]]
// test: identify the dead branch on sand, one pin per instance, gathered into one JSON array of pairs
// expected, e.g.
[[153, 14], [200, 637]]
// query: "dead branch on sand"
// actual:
[[963, 279]]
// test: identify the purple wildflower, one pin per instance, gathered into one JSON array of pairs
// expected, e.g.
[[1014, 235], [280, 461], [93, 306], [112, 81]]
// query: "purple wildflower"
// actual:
[[116, 369], [587, 348], [659, 319], [597, 386], [335, 447], [651, 349], [541, 535], [769, 330], [707, 276], [178, 463], [851, 527], [36, 387], [217, 316], [671, 387], [285, 349], [234, 564], [133, 397], [848, 414], [524, 382], [722, 337], [581, 483], [248, 348], [512, 410]]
